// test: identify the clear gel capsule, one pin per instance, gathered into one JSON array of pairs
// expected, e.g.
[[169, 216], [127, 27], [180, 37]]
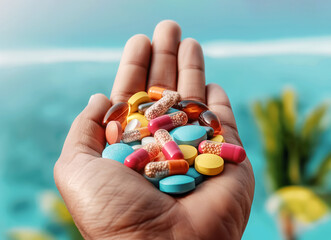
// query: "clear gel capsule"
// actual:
[[117, 112], [139, 158], [169, 147], [136, 134], [160, 107], [168, 121], [210, 119], [156, 93], [144, 106], [227, 151], [166, 168]]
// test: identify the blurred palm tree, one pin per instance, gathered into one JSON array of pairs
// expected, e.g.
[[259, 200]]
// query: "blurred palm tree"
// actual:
[[289, 147]]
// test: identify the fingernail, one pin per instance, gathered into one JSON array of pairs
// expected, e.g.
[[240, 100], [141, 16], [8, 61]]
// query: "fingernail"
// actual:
[[89, 101]]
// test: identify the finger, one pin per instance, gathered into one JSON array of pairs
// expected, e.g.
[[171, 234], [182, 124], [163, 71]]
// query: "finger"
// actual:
[[219, 103], [163, 70], [86, 135], [132, 73], [191, 71]]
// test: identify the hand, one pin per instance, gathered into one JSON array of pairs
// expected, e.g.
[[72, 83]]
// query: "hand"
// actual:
[[109, 200]]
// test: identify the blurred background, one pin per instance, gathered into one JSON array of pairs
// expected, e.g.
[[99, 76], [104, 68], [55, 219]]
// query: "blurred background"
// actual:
[[272, 57]]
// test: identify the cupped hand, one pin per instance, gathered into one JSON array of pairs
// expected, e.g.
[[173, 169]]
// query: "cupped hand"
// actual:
[[109, 200]]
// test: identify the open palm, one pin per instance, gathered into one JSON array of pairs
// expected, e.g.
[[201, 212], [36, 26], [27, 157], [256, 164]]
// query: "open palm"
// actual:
[[110, 201]]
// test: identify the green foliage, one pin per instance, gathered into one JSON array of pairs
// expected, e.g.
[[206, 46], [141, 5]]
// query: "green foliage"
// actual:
[[288, 145]]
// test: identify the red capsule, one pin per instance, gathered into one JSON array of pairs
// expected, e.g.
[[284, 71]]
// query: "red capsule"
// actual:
[[168, 121], [170, 148], [117, 112], [210, 119], [139, 158], [192, 108]]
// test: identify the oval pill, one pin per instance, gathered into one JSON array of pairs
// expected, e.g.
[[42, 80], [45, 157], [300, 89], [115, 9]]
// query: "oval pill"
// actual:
[[117, 112], [147, 140], [189, 135], [117, 152], [218, 138], [133, 124], [189, 152], [197, 176], [177, 184], [209, 164], [113, 132], [136, 99], [141, 118]]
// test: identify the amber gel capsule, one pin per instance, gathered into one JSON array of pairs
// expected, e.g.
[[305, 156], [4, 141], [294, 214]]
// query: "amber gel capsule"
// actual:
[[168, 121], [117, 112], [136, 134], [170, 148], [166, 168], [210, 119], [227, 151], [139, 158], [156, 93], [192, 108]]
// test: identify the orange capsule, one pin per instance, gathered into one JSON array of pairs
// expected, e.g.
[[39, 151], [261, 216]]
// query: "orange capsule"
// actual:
[[135, 135], [166, 168], [192, 108], [210, 119], [117, 112], [156, 93]]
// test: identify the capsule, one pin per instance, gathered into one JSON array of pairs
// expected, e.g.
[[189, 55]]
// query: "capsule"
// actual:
[[210, 119], [117, 112], [192, 108], [144, 106], [156, 93], [166, 168], [227, 151], [139, 158], [168, 121], [160, 107], [136, 134], [170, 148]]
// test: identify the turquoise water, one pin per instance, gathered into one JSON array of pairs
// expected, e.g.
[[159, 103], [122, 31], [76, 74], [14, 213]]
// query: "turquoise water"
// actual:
[[40, 100]]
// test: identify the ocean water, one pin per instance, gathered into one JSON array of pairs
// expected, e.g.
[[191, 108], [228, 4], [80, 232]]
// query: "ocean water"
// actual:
[[51, 65]]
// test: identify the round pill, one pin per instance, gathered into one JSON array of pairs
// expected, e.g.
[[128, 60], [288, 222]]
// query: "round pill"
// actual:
[[137, 99], [113, 132], [147, 140], [218, 138], [177, 184], [189, 135], [117, 152], [197, 176], [132, 125], [189, 152], [141, 118], [209, 164]]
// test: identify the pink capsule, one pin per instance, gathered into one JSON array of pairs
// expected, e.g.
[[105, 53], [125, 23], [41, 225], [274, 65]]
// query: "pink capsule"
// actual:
[[170, 148], [161, 106], [168, 121], [227, 151], [139, 158]]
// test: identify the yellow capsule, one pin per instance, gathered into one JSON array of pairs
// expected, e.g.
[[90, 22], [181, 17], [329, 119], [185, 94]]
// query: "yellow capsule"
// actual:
[[218, 138], [209, 164], [189, 152], [141, 118], [137, 99]]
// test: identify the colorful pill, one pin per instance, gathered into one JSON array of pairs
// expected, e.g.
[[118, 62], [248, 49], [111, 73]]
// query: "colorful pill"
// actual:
[[208, 118], [177, 184], [144, 106], [136, 99], [135, 135], [192, 108], [168, 121], [218, 138], [209, 164], [197, 176], [160, 107], [117, 152], [117, 112], [156, 93], [113, 132], [141, 118], [166, 168], [170, 148], [189, 152], [189, 135], [139, 158], [132, 125], [227, 151]]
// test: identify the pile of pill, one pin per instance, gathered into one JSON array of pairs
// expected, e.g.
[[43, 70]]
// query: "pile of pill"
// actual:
[[173, 143]]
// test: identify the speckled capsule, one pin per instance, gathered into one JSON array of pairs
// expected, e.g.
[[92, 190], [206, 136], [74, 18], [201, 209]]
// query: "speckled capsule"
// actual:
[[166, 168], [168, 121], [136, 134], [161, 106], [157, 93], [169, 147], [139, 158]]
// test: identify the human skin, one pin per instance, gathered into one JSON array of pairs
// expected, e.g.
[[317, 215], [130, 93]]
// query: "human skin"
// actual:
[[108, 200]]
